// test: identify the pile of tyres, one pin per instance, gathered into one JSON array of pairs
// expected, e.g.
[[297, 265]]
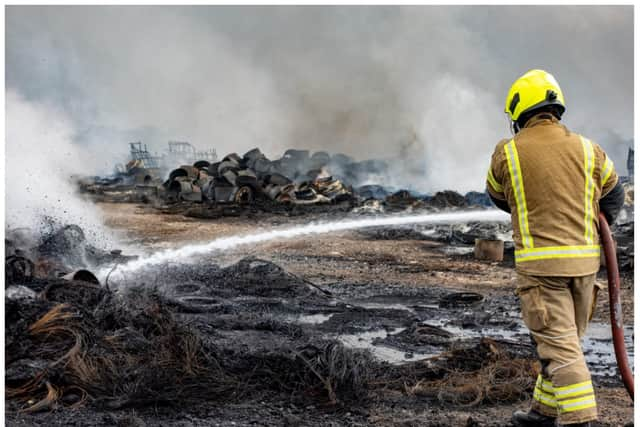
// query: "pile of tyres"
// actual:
[[297, 177]]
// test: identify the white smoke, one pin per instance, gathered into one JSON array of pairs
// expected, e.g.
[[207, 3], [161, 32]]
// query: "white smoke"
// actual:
[[167, 77], [458, 156], [419, 86], [40, 159]]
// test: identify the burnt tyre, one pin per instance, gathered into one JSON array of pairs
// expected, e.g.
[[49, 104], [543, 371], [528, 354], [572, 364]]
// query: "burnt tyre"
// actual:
[[244, 195]]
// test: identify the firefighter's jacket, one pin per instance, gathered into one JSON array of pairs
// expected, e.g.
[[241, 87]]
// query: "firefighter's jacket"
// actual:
[[552, 180]]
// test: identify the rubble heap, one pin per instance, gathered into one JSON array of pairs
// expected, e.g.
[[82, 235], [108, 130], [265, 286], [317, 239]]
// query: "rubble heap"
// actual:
[[296, 178]]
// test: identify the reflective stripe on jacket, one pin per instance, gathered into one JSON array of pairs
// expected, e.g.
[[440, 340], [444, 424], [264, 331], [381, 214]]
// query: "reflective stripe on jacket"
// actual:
[[552, 180]]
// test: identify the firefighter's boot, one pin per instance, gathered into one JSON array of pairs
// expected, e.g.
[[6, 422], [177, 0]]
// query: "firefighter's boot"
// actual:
[[532, 418]]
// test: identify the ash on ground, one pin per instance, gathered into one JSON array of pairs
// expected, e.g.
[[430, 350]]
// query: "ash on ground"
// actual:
[[185, 336], [250, 343]]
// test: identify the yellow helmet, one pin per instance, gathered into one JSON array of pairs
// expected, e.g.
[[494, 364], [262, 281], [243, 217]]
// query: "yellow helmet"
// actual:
[[534, 89]]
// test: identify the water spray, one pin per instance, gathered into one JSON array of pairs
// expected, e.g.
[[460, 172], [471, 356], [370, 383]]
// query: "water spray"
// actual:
[[225, 243]]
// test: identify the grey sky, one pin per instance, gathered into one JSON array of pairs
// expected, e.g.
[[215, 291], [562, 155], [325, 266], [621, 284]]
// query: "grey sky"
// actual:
[[421, 85]]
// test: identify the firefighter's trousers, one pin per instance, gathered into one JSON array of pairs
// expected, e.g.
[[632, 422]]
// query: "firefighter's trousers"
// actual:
[[557, 310]]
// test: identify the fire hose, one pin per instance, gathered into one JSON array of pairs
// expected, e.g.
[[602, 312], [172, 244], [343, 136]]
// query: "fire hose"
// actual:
[[615, 306]]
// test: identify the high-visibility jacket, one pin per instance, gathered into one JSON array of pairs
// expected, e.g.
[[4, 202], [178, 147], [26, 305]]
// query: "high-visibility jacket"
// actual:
[[552, 180]]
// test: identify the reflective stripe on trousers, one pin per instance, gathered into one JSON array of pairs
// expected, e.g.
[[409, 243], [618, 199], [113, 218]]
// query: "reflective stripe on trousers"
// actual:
[[571, 398], [543, 393]]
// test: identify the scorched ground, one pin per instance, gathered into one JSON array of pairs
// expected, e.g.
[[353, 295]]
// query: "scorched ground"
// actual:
[[391, 326]]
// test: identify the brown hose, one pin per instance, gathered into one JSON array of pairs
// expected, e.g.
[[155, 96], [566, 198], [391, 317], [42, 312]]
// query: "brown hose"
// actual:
[[615, 307]]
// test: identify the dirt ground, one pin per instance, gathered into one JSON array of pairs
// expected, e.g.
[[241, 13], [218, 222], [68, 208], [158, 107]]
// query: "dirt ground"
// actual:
[[351, 257], [396, 279]]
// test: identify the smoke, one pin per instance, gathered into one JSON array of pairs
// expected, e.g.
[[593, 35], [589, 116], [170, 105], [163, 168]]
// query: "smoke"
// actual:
[[421, 87], [41, 157], [162, 77]]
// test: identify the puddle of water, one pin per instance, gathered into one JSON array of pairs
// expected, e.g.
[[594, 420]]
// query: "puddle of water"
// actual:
[[457, 250], [380, 305], [365, 340], [310, 319], [427, 306], [598, 348], [504, 333], [597, 344], [198, 300]]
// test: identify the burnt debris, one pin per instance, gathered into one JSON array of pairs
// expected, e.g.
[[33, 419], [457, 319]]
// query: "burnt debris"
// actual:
[[297, 180], [298, 177], [192, 334], [61, 251]]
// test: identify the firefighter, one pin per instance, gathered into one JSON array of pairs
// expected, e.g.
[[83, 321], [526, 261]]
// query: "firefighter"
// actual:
[[554, 183]]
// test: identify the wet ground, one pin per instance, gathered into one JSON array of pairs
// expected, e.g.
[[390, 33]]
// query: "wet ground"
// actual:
[[399, 295]]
